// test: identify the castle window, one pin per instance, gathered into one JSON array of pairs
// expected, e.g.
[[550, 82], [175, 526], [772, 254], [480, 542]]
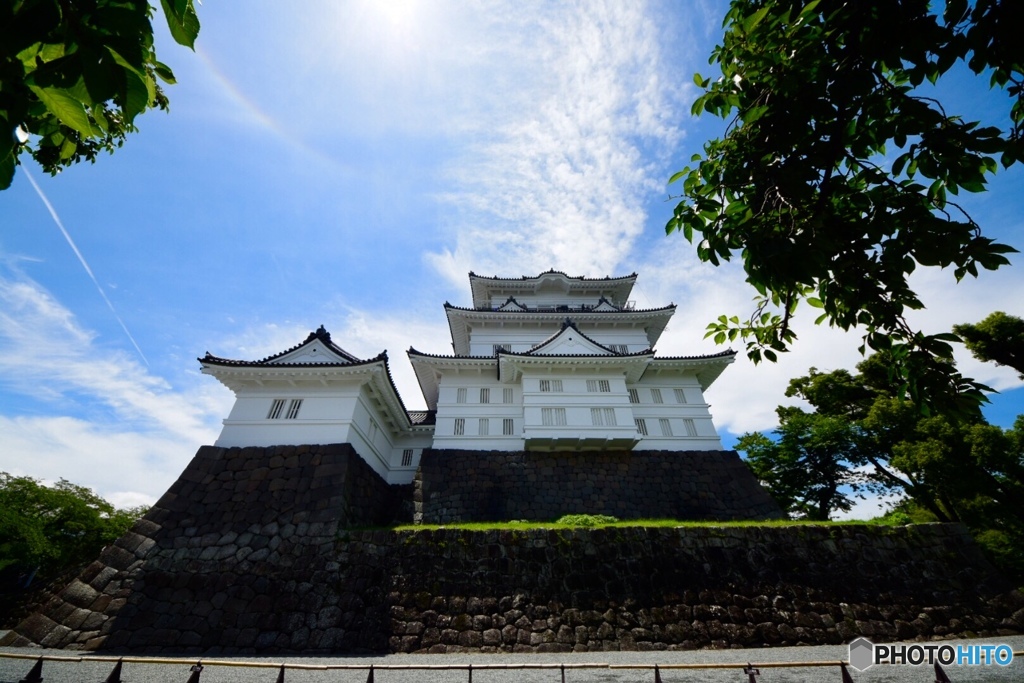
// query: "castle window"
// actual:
[[506, 395], [619, 348], [293, 409], [507, 425], [602, 416], [601, 385], [634, 397], [641, 426], [485, 427], [501, 347], [680, 396], [460, 395], [691, 428], [552, 417], [552, 385], [666, 427], [407, 457], [656, 396], [275, 409], [460, 426], [485, 395]]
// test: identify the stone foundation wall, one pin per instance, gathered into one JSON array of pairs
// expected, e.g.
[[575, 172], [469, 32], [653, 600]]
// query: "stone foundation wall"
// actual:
[[241, 552], [673, 588], [253, 550], [463, 486]]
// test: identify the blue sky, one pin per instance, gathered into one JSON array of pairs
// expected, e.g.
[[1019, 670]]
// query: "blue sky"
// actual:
[[347, 164]]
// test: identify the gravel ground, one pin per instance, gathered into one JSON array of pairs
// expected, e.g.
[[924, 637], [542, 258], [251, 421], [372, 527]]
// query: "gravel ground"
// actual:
[[13, 670]]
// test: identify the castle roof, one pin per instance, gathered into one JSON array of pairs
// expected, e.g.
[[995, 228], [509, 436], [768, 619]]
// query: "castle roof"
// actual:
[[318, 360], [616, 289], [462, 320], [316, 350]]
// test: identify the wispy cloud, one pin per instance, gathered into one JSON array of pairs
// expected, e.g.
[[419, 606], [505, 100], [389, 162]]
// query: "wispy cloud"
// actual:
[[81, 259], [136, 431], [564, 178]]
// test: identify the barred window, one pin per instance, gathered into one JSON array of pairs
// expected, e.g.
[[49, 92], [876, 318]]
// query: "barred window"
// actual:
[[507, 426], [506, 395], [603, 416], [619, 348], [601, 385], [485, 395], [691, 428], [656, 396], [552, 417], [460, 395], [551, 385], [680, 396], [275, 409], [634, 397], [485, 427], [460, 426], [501, 347], [293, 409], [641, 426], [407, 457], [666, 427]]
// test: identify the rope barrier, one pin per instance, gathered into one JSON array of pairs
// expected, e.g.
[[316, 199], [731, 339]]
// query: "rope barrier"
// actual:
[[196, 667]]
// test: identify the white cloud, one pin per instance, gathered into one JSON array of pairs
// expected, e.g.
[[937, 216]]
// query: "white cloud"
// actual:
[[563, 180], [138, 431]]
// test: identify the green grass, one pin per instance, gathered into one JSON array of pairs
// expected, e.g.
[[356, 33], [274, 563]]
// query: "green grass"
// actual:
[[522, 525]]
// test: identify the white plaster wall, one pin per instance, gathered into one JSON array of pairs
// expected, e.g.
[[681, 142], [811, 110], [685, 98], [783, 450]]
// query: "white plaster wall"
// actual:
[[694, 409], [472, 411], [484, 337]]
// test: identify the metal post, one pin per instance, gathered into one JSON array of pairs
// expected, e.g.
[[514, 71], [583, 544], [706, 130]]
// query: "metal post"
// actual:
[[197, 670], [563, 673], [470, 673], [751, 672], [846, 674], [115, 675], [657, 674], [940, 675], [35, 674], [369, 676], [280, 675]]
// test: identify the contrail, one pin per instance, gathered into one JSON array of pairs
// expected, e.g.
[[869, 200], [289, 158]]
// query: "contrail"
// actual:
[[81, 259]]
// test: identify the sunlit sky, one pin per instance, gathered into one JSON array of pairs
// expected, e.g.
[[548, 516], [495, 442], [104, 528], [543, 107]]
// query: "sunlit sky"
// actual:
[[347, 164]]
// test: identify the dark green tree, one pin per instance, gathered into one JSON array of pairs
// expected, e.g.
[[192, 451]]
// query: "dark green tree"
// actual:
[[837, 174], [999, 338], [74, 75], [810, 466], [57, 527]]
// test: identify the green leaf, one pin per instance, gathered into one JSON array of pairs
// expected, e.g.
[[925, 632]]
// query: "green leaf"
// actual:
[[67, 109], [182, 21], [677, 176], [164, 73], [751, 22], [815, 302]]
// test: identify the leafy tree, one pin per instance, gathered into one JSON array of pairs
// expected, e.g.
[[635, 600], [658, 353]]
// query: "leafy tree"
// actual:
[[837, 174], [999, 338], [810, 463], [55, 527], [74, 75]]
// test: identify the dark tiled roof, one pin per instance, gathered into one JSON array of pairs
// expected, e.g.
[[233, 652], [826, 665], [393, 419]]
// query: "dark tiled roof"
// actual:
[[574, 309], [414, 352], [321, 334], [580, 278], [720, 354], [423, 417]]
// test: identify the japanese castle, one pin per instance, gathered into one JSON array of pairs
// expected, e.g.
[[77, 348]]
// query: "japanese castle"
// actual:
[[545, 363]]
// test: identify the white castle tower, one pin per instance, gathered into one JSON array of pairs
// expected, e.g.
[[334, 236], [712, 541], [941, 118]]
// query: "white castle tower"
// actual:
[[545, 363]]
